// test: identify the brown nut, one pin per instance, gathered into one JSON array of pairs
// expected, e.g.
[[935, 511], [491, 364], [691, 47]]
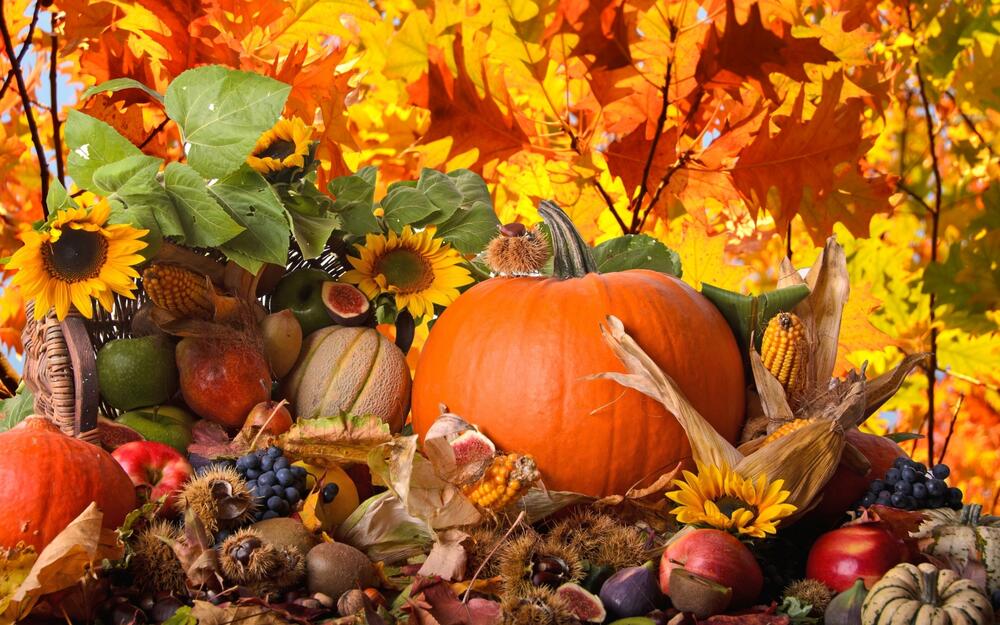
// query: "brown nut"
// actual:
[[513, 229]]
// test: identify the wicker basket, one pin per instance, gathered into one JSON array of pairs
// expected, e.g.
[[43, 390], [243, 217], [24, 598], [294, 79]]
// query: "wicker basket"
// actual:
[[60, 364]]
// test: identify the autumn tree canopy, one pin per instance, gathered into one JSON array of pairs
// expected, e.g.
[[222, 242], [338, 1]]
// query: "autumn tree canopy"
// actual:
[[734, 131]]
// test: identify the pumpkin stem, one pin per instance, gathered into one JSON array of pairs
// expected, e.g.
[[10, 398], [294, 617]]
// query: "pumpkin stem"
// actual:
[[930, 580], [971, 514], [571, 254]]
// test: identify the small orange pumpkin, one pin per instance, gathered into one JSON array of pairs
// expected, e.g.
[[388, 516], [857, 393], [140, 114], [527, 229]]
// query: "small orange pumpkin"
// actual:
[[48, 478], [512, 355]]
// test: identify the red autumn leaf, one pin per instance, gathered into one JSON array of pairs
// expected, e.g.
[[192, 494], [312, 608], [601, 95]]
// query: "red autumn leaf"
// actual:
[[600, 26]]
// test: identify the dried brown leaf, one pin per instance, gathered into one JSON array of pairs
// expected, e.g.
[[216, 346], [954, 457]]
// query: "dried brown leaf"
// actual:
[[830, 287], [447, 557], [772, 395], [335, 440], [195, 552], [384, 530], [208, 614]]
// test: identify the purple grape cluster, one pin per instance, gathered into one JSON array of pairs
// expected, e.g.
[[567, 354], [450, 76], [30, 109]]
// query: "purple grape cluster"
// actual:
[[278, 486], [908, 485]]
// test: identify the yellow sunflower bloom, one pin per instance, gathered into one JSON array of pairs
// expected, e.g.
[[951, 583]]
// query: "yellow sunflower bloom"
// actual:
[[284, 146], [721, 498], [419, 270], [79, 256]]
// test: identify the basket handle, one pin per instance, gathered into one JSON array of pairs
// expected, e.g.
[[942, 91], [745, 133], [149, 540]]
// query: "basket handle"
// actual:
[[87, 394]]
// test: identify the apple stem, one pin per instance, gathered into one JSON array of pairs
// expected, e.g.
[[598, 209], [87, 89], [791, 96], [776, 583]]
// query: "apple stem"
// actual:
[[274, 411]]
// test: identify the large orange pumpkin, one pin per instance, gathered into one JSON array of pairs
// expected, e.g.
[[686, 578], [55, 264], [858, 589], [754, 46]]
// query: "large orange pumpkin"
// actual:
[[512, 355], [48, 478]]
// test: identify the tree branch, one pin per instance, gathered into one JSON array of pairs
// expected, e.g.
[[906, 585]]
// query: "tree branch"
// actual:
[[935, 216], [15, 64], [951, 430], [24, 49], [54, 101], [661, 121], [154, 132], [971, 125], [916, 196]]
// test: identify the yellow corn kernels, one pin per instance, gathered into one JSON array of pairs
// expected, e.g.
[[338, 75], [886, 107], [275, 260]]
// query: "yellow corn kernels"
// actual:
[[784, 349], [505, 481], [788, 428], [183, 292]]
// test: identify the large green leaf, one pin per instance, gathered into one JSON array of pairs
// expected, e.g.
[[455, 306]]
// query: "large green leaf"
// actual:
[[355, 201], [313, 221], [205, 223], [132, 182], [441, 192], [748, 315], [58, 198], [14, 409], [93, 144], [120, 84], [222, 112], [469, 230], [253, 204], [406, 205], [472, 187], [636, 251]]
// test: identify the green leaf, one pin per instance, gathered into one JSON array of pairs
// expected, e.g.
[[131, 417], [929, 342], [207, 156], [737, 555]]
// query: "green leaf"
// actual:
[[221, 113], [205, 223], [442, 193], [405, 205], [120, 84], [472, 187], [636, 251], [58, 198], [355, 201], [312, 220], [132, 183], [253, 204], [469, 230], [14, 409], [93, 144], [748, 315], [902, 437], [182, 617]]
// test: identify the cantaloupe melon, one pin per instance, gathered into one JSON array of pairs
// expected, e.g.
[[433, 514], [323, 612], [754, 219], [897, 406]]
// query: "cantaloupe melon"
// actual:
[[355, 370]]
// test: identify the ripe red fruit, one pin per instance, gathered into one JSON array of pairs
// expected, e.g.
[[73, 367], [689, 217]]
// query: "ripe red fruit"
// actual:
[[718, 556], [841, 557], [261, 415], [222, 380], [157, 470]]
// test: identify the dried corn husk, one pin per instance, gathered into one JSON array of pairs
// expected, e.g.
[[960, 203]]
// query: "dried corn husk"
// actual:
[[805, 459]]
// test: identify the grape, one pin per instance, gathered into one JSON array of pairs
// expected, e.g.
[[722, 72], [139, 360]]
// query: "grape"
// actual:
[[281, 463], [330, 492], [901, 462], [285, 477], [292, 495], [267, 479], [920, 491], [877, 486], [277, 504], [919, 467], [936, 502], [252, 474], [266, 463], [252, 486], [908, 474], [995, 599], [936, 487], [955, 495], [941, 471], [884, 501], [299, 472], [898, 499], [892, 475], [252, 461], [274, 452], [278, 491], [241, 464], [269, 514]]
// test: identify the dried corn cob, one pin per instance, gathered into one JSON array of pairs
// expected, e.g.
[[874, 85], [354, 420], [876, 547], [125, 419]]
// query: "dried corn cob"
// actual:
[[183, 292], [792, 426], [783, 349], [507, 479]]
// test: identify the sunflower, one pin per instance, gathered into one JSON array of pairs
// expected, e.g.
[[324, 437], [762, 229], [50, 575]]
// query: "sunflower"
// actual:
[[414, 266], [284, 146], [721, 498], [76, 257]]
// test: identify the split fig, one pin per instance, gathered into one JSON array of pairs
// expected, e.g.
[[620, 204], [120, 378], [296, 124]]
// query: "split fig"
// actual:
[[699, 595], [845, 608], [582, 604], [633, 591], [282, 336], [347, 305], [113, 434]]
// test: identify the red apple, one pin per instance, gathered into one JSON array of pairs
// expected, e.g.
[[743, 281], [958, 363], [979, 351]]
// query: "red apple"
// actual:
[[157, 470], [271, 416], [718, 556], [866, 551]]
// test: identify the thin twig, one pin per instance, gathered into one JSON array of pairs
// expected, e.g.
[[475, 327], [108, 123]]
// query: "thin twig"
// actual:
[[935, 216], [971, 125], [54, 102], [475, 576], [24, 48], [951, 429], [661, 121], [153, 133], [904, 134], [913, 194], [43, 165]]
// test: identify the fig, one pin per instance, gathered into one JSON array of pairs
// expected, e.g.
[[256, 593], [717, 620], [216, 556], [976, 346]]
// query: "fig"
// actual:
[[845, 608], [347, 305], [633, 591], [582, 604], [282, 336], [472, 447], [113, 434], [699, 595]]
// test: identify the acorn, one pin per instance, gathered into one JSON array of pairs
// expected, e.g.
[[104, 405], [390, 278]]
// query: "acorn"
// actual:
[[518, 251]]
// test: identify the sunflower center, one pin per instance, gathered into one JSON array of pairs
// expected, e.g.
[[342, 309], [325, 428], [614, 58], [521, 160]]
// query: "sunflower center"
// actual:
[[728, 505], [406, 270], [77, 255], [278, 150]]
